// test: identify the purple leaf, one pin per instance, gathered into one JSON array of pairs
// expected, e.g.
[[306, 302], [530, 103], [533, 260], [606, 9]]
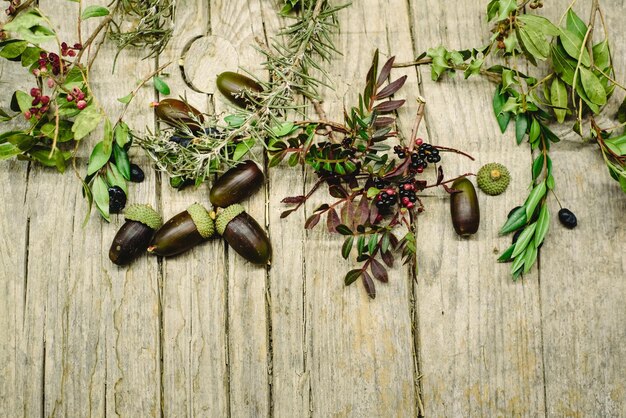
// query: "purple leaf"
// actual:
[[378, 271], [391, 88], [364, 210], [387, 258], [439, 175], [347, 213], [294, 199], [369, 285], [312, 221], [287, 213], [332, 220], [336, 190], [373, 214], [351, 276], [385, 71], [389, 106], [383, 121]]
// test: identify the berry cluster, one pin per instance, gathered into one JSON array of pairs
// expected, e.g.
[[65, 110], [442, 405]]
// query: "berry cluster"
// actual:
[[386, 199], [408, 195], [425, 154], [405, 194], [78, 95], [48, 62], [40, 104], [68, 51]]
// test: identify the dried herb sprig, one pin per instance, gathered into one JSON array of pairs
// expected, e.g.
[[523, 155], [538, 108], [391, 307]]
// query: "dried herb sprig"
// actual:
[[291, 60], [374, 192], [580, 80]]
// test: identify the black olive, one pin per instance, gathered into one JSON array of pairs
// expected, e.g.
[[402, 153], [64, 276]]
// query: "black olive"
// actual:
[[567, 218], [136, 173], [117, 199]]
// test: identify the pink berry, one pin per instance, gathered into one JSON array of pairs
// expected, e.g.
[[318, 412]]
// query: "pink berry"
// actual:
[[405, 201], [81, 104], [407, 186], [27, 114], [409, 205], [70, 98], [50, 83], [35, 92], [71, 53], [36, 100], [78, 46], [45, 100], [419, 141], [420, 169], [390, 192]]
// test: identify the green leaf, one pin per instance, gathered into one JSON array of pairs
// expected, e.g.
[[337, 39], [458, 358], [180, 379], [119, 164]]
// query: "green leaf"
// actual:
[[498, 103], [8, 150], [24, 101], [474, 67], [30, 56], [160, 85], [29, 26], [537, 166], [492, 9], [347, 247], [343, 229], [74, 78], [58, 158], [617, 144], [87, 120], [621, 112], [121, 132], [126, 99], [234, 121], [65, 131], [371, 245], [122, 161], [543, 224], [100, 192], [534, 42], [530, 255], [352, 276], [558, 96], [13, 49], [564, 66], [511, 105], [521, 125], [506, 7], [576, 25], [592, 86], [515, 221], [573, 46], [282, 129], [535, 130], [583, 95], [242, 148], [516, 267], [372, 192], [115, 178], [538, 24], [94, 11], [506, 256], [524, 239], [534, 197], [602, 55], [108, 136], [98, 158]]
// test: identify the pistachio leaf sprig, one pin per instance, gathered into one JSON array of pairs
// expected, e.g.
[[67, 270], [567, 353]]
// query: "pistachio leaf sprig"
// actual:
[[291, 59], [373, 193], [579, 82]]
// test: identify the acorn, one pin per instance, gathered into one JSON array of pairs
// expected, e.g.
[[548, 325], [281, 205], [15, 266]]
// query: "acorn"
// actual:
[[493, 178], [133, 237], [175, 113], [244, 234], [234, 87], [237, 184], [184, 231], [464, 207]]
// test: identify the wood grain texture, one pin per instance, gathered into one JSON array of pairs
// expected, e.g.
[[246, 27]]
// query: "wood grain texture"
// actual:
[[480, 333]]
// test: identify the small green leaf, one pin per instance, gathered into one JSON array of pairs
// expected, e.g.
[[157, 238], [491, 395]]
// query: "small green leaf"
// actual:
[[100, 192], [372, 192], [521, 125], [234, 121], [347, 247], [87, 120], [160, 85], [535, 130], [24, 101], [352, 276], [371, 245], [282, 129], [530, 255], [593, 87], [115, 178], [98, 158], [498, 103], [537, 166], [558, 96], [538, 192], [94, 11], [121, 160], [505, 8], [539, 24], [126, 99], [506, 256], [576, 25], [602, 55], [122, 135], [515, 221], [524, 239], [343, 229], [242, 148], [574, 46], [13, 49], [543, 224]]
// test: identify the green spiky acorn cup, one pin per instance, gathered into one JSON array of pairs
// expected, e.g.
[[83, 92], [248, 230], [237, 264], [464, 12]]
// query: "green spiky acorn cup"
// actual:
[[493, 178], [244, 235], [182, 232], [134, 236]]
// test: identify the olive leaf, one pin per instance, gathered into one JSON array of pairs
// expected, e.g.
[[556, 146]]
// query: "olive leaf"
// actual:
[[115, 178], [593, 88], [100, 193], [94, 11], [558, 97], [534, 197], [347, 247], [121, 161], [87, 120], [524, 239], [543, 224], [573, 45], [521, 126], [98, 158], [515, 221], [160, 85], [575, 25]]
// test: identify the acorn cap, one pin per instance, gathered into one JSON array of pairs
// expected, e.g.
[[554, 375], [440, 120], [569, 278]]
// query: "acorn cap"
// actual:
[[493, 178], [200, 217], [226, 216], [144, 214]]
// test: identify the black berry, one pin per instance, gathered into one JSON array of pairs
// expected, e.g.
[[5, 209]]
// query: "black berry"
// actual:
[[136, 173], [117, 199], [183, 141], [567, 218]]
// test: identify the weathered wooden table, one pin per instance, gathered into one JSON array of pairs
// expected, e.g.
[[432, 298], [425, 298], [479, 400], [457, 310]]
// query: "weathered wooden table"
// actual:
[[207, 335]]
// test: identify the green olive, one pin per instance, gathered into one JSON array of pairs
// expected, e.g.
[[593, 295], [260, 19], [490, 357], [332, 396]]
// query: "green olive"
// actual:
[[464, 207], [237, 184], [235, 88], [176, 113]]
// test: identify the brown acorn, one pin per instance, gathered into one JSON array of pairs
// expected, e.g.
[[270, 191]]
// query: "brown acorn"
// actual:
[[176, 113], [234, 87], [237, 184], [182, 232], [133, 237], [464, 208], [244, 234]]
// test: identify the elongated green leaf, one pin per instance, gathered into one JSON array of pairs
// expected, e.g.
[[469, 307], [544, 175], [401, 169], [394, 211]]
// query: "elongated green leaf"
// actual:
[[8, 150], [515, 221], [352, 276], [100, 192], [602, 55], [160, 85], [13, 49], [115, 178], [574, 46], [538, 24], [98, 158], [576, 25], [558, 96], [564, 66], [517, 266], [534, 197], [498, 103], [535, 130], [530, 255], [343, 229], [121, 160], [537, 166], [534, 43], [87, 120], [524, 239], [505, 8], [521, 125], [94, 11], [347, 247], [543, 224], [593, 87], [506, 256]]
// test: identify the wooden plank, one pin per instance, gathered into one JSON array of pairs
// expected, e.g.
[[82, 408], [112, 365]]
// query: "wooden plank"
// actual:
[[249, 355], [195, 369], [582, 293], [480, 334], [14, 236], [361, 360]]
